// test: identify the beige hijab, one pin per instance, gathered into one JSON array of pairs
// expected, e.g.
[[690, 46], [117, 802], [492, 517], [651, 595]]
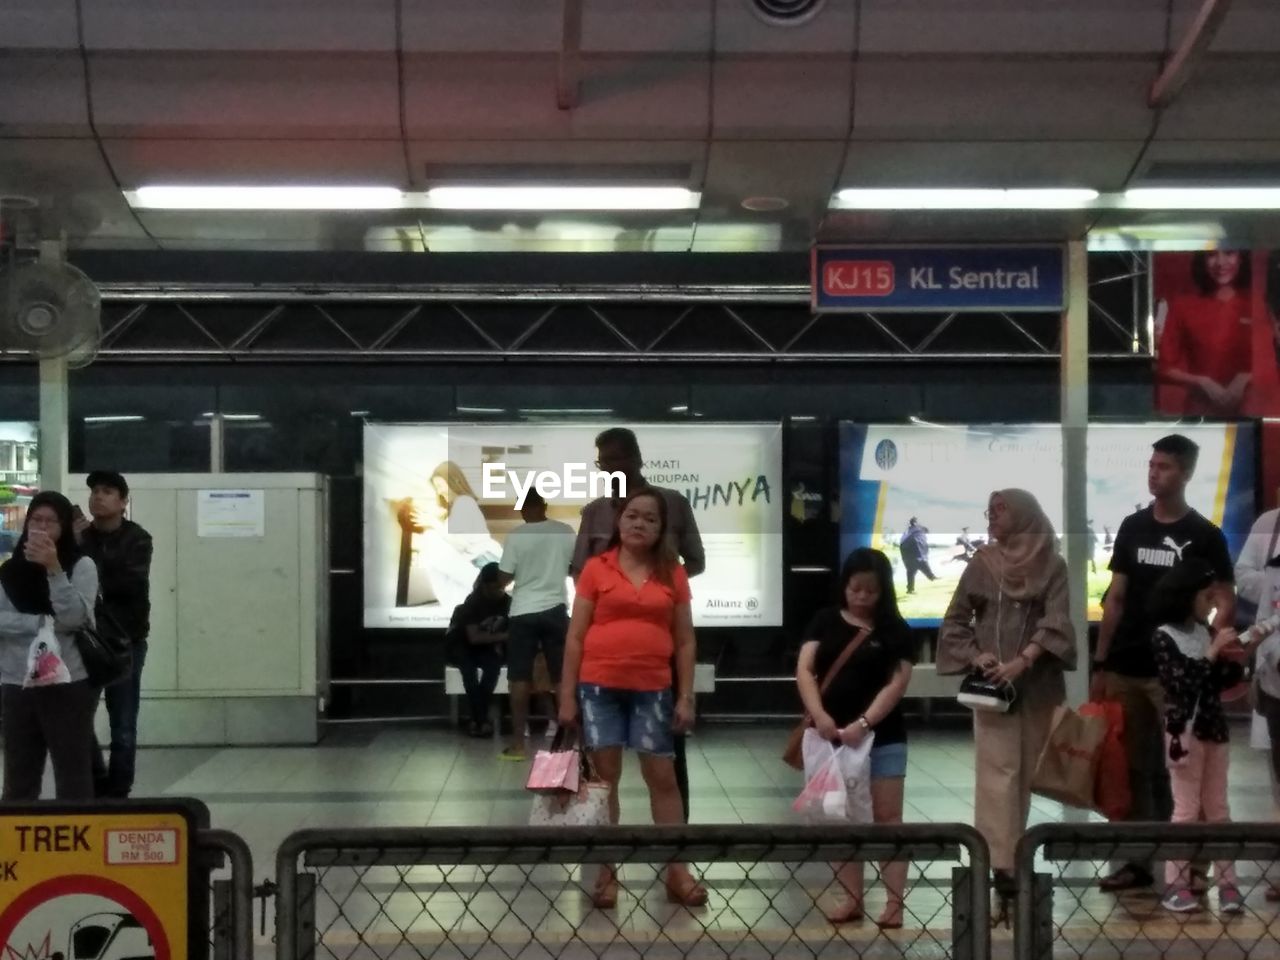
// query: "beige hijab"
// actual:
[[1024, 560]]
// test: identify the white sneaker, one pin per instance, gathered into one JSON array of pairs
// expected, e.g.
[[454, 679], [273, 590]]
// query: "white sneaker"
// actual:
[[552, 729]]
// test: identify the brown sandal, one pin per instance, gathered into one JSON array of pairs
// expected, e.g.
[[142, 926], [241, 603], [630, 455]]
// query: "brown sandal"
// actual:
[[851, 912], [684, 890], [891, 917], [605, 894]]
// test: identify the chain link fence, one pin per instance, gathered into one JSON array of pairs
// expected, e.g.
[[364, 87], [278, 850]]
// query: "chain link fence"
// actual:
[[526, 894], [1062, 914], [229, 866]]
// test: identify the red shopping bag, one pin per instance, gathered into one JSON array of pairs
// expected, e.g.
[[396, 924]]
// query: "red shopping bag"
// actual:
[[1111, 794]]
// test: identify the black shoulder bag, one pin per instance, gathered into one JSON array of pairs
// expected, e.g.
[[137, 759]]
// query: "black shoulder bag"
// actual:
[[105, 648]]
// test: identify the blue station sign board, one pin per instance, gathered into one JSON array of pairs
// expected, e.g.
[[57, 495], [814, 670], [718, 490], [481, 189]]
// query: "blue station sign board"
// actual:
[[972, 278]]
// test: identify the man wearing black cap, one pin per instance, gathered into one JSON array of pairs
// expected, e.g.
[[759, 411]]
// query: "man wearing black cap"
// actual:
[[122, 551]]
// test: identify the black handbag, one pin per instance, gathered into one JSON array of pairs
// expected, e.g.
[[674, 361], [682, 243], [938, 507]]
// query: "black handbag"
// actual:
[[106, 650], [977, 692], [992, 696]]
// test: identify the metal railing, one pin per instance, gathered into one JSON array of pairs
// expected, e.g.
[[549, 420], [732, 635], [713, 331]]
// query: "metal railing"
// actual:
[[1061, 912], [525, 894], [226, 858]]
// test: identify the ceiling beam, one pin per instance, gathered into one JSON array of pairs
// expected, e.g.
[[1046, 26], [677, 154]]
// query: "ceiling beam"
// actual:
[[568, 75], [1190, 52]]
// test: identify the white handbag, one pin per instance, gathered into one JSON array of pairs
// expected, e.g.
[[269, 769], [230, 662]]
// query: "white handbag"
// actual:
[[589, 807]]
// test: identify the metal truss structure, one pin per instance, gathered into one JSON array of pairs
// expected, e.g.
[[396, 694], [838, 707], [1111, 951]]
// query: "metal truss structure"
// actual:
[[625, 324]]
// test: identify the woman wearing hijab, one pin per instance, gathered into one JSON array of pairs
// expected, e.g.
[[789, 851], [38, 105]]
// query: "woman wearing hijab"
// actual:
[[1009, 619], [47, 576]]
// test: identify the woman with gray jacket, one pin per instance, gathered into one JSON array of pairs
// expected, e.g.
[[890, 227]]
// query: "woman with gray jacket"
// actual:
[[1010, 620], [47, 576]]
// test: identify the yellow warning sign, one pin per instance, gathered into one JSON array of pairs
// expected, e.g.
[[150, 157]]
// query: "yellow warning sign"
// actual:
[[95, 886]]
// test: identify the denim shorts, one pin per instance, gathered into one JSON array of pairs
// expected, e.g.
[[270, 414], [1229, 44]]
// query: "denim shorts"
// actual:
[[889, 761], [639, 719]]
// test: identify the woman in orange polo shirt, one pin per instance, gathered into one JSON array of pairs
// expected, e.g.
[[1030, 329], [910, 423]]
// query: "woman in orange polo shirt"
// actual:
[[631, 617]]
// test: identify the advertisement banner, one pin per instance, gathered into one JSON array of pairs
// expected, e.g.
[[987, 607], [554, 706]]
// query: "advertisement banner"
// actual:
[[919, 493], [440, 499], [1215, 330], [981, 278]]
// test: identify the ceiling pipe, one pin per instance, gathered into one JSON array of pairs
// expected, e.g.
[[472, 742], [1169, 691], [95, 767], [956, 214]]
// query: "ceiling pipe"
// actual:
[[568, 75], [1190, 52]]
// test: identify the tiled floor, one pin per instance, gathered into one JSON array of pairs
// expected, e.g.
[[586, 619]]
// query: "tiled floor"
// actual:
[[415, 777]]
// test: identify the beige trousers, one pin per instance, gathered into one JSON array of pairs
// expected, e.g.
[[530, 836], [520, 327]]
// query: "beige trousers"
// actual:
[[1006, 748]]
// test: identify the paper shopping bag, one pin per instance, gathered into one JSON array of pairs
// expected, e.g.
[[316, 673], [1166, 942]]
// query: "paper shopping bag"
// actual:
[[1068, 765], [556, 769]]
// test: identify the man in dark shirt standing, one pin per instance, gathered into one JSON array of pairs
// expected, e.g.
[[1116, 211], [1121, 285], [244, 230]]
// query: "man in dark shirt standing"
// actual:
[[914, 548], [617, 450], [1148, 543], [122, 551]]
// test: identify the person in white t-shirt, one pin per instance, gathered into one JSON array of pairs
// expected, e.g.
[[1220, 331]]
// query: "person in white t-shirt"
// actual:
[[536, 558], [1258, 582]]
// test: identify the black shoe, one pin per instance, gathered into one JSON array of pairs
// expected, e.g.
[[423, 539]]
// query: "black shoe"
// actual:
[[1127, 877], [1006, 888], [1005, 883]]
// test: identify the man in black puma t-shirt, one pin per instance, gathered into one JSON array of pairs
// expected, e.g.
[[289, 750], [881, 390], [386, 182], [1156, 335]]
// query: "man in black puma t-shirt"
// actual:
[[1147, 546]]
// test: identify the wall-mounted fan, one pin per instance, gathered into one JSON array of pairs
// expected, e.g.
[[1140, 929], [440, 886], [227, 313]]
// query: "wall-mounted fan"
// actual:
[[50, 309]]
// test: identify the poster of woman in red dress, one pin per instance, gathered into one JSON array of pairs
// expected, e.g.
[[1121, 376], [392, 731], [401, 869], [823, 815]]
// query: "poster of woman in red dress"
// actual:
[[1204, 343]]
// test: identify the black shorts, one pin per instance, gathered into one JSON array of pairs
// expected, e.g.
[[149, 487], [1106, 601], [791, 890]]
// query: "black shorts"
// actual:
[[531, 633]]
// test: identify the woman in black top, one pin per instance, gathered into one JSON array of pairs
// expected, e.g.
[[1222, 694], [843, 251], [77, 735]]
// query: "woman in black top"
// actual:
[[865, 696]]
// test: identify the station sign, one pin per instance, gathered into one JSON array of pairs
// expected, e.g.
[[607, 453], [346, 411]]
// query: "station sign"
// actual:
[[101, 883], [968, 278]]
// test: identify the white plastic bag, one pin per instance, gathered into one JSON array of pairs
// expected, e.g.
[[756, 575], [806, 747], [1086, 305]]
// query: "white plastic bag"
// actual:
[[837, 780], [45, 666], [1259, 735]]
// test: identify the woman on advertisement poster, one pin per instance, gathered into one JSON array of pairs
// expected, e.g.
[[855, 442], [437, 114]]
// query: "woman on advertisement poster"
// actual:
[[1203, 363], [448, 535]]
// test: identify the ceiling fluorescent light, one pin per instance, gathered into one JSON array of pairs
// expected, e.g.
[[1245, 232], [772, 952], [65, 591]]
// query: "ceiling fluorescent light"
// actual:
[[115, 418], [202, 197], [947, 199], [581, 411], [561, 198], [1203, 198]]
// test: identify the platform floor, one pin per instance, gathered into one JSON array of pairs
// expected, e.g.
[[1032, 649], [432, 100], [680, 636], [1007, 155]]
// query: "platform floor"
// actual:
[[412, 777]]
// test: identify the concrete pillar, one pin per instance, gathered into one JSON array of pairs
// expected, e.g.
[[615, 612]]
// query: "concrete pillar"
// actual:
[[54, 416], [1074, 385]]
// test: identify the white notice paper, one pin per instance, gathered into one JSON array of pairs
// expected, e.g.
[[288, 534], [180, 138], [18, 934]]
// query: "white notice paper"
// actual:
[[230, 513]]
